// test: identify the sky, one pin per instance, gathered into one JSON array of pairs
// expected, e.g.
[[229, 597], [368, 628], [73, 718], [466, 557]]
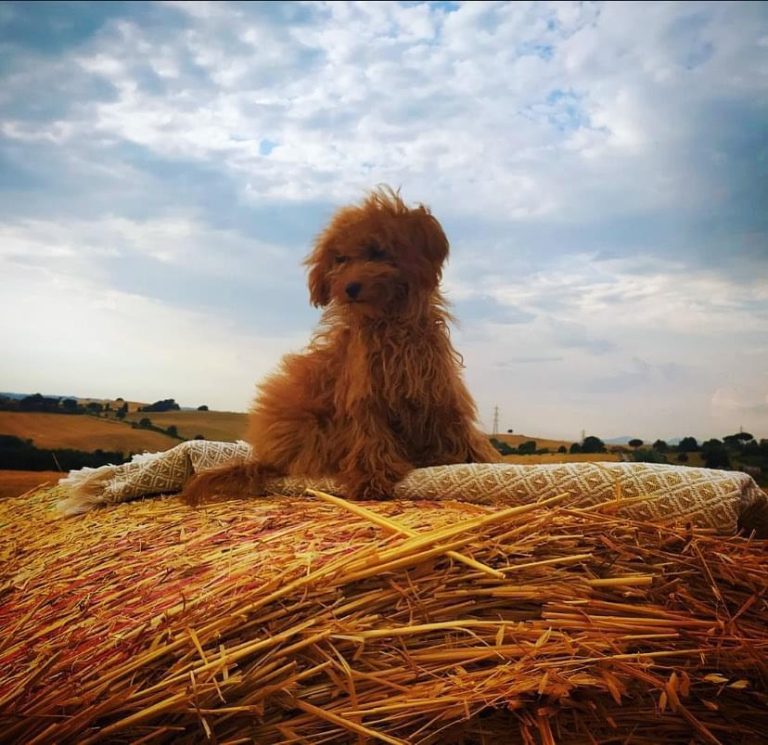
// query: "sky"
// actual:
[[601, 171]]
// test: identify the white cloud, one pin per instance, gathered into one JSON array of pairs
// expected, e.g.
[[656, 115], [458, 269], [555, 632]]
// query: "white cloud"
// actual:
[[104, 342], [438, 101], [74, 246]]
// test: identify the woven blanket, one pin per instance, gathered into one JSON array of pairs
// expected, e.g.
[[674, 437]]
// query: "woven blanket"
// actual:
[[704, 497]]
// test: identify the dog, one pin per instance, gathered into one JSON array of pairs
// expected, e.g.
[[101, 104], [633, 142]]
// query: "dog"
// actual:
[[378, 391]]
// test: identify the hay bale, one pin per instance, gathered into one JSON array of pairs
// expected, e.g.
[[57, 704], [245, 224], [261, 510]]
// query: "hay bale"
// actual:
[[306, 620]]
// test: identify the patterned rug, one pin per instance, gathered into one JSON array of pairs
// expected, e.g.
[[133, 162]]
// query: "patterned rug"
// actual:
[[641, 491]]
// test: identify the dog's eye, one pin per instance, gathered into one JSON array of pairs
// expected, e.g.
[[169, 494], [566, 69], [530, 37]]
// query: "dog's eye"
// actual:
[[375, 253], [340, 259]]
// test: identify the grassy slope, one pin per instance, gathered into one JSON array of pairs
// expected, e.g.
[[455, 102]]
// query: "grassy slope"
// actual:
[[541, 442], [226, 426], [81, 432]]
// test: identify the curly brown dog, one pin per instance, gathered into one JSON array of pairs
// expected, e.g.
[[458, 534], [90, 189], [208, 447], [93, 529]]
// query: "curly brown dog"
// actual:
[[378, 391]]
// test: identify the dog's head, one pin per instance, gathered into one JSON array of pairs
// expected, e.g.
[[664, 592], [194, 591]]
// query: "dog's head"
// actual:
[[378, 256]]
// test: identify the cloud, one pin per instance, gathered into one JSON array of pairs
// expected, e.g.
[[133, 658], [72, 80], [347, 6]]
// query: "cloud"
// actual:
[[117, 343], [555, 112], [176, 260]]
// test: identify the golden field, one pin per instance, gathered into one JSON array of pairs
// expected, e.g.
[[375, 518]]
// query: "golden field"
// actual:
[[224, 426], [81, 432], [541, 442], [13, 483], [529, 460]]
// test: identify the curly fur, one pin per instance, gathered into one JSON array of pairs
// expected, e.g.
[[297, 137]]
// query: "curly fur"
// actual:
[[378, 391]]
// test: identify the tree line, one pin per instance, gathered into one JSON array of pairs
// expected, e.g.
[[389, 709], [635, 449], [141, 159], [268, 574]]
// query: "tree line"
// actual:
[[740, 450], [22, 455]]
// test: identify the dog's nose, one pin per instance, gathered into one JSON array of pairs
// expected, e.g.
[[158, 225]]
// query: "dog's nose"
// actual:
[[353, 289]]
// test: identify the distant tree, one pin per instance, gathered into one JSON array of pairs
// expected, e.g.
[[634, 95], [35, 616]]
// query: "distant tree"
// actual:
[[145, 423], [688, 445], [575, 448], [660, 446], [562, 449], [120, 414], [172, 431], [167, 404], [715, 454], [527, 448], [199, 437], [682, 457], [591, 444], [11, 441], [202, 408], [510, 431], [502, 447], [38, 402], [94, 408], [636, 443], [70, 406], [8, 404]]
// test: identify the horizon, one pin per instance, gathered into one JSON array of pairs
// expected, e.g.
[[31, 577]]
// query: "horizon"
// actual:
[[599, 170], [613, 440]]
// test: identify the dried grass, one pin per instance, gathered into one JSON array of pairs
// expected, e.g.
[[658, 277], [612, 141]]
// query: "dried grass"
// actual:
[[316, 621]]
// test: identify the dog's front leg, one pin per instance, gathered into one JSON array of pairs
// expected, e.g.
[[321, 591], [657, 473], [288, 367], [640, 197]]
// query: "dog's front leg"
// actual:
[[374, 463]]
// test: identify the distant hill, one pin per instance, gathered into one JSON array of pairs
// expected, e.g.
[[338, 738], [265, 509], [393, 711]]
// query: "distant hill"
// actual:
[[224, 426], [87, 433], [514, 441]]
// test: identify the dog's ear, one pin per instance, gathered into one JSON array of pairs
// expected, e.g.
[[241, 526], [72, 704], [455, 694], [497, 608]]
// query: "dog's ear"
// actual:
[[318, 263], [435, 242]]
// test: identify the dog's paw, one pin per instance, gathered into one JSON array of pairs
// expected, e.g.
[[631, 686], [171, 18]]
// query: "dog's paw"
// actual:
[[365, 489]]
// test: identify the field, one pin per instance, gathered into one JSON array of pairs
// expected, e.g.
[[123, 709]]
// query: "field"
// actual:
[[81, 432], [225, 426], [13, 483], [529, 460], [541, 442]]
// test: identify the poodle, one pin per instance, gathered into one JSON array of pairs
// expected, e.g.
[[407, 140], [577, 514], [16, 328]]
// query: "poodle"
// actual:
[[378, 391]]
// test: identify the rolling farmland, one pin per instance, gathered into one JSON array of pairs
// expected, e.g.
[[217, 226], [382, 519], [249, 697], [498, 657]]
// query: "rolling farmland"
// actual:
[[81, 432], [226, 426]]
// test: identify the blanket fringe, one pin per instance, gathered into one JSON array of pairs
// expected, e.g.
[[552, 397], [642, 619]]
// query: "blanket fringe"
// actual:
[[87, 489]]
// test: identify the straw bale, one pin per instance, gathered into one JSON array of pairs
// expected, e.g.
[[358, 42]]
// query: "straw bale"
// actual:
[[308, 620]]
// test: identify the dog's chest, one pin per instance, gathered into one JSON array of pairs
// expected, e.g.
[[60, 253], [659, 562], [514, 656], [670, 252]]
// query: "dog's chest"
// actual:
[[390, 372]]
